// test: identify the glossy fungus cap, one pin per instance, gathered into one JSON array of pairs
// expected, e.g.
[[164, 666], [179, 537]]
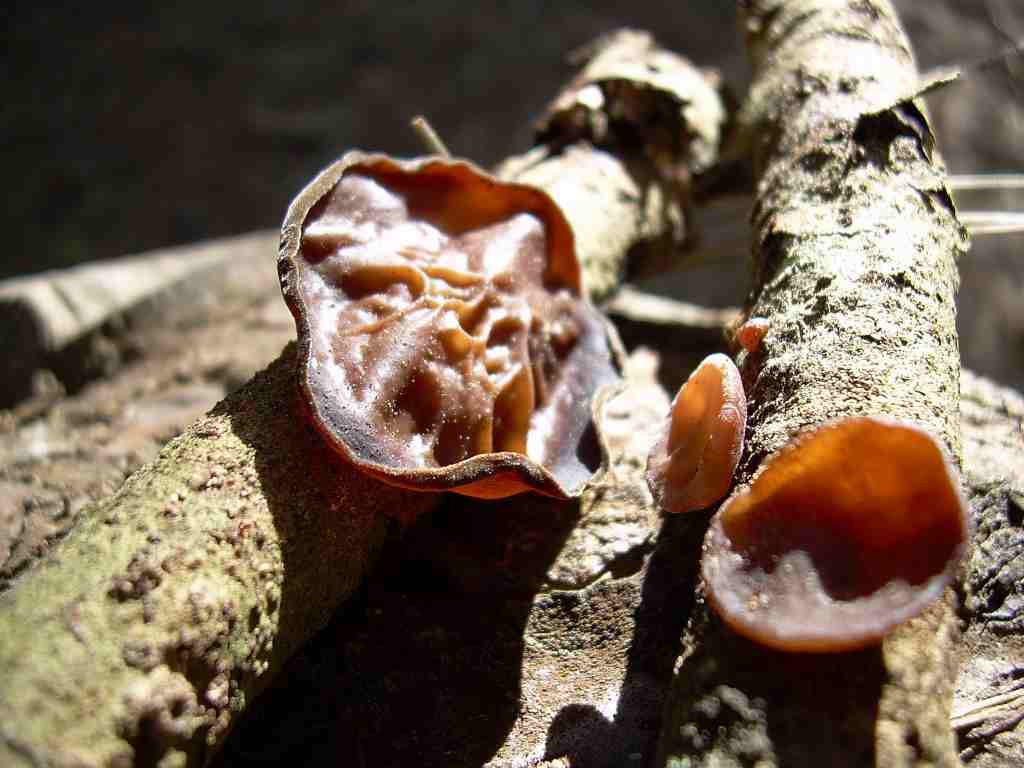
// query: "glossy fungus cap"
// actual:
[[848, 531], [691, 464], [752, 333], [444, 343]]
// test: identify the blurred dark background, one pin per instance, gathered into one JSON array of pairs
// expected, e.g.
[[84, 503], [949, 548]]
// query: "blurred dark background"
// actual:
[[131, 126], [135, 125]]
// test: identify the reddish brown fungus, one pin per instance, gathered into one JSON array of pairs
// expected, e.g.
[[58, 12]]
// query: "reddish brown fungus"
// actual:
[[848, 531], [692, 463], [752, 333], [443, 339]]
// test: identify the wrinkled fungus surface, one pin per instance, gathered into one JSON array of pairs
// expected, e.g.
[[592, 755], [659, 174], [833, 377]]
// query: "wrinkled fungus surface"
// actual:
[[847, 532], [444, 341], [691, 464]]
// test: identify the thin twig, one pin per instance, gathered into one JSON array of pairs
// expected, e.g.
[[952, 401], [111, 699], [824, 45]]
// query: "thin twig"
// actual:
[[1002, 57], [992, 222], [980, 711], [429, 136], [986, 181]]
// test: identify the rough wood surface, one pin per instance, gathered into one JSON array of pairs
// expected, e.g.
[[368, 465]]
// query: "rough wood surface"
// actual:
[[166, 362], [615, 203], [582, 628], [988, 700], [412, 614], [497, 634], [856, 244], [143, 634], [620, 146], [573, 659]]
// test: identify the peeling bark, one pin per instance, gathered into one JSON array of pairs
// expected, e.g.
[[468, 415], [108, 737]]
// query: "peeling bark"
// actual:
[[620, 146], [856, 243]]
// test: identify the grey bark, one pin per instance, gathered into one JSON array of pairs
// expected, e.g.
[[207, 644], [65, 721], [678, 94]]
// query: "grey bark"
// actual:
[[855, 248], [177, 355]]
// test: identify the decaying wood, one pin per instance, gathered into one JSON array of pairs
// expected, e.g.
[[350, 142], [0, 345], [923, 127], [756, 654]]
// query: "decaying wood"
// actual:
[[856, 242], [988, 701], [191, 586], [620, 145], [575, 655], [406, 635], [590, 653], [497, 634], [143, 634]]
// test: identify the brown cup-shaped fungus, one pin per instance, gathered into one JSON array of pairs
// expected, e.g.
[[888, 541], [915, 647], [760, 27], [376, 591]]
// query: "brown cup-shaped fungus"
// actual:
[[444, 342], [847, 532], [692, 463]]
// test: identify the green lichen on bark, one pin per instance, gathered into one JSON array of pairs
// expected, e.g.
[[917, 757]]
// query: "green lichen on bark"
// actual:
[[855, 248], [141, 637]]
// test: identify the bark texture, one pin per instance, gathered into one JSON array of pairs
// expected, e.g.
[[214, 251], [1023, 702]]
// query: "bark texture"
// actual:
[[145, 632], [988, 702], [856, 242], [167, 361], [655, 121], [174, 601]]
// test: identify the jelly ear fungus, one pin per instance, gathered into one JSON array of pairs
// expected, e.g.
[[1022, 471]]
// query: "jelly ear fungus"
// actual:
[[692, 462], [847, 531], [444, 340]]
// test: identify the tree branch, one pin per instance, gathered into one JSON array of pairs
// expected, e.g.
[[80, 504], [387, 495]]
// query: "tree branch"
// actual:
[[856, 243]]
